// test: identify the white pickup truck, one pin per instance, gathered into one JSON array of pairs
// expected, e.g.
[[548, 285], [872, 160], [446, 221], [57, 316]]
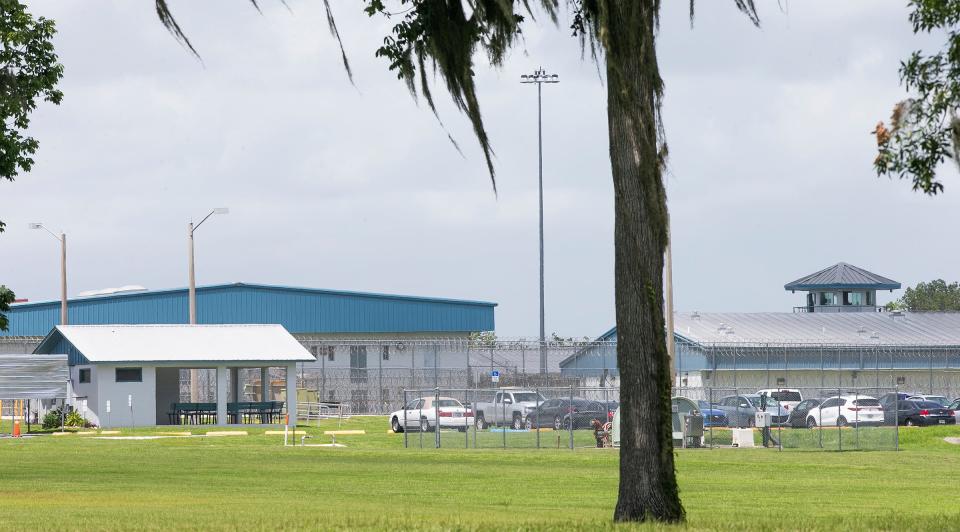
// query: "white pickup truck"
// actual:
[[509, 407]]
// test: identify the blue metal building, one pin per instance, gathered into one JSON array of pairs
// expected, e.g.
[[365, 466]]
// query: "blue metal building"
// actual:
[[299, 310]]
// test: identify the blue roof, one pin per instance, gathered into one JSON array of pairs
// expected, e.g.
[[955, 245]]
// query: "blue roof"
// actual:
[[842, 275], [299, 310]]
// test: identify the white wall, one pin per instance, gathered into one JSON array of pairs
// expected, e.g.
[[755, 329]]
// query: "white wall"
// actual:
[[85, 395], [144, 411]]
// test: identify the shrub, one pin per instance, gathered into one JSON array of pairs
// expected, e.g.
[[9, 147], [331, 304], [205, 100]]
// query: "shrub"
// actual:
[[74, 419], [52, 419]]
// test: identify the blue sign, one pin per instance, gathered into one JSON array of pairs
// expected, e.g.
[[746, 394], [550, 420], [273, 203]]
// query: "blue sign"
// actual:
[[494, 373]]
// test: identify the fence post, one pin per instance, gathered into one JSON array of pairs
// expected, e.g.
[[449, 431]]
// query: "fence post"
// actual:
[[537, 391], [571, 417], [710, 405], [503, 417], [406, 426], [466, 425], [383, 348], [436, 416], [839, 428]]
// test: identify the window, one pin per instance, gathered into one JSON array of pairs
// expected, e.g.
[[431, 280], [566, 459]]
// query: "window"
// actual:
[[869, 298], [324, 351], [786, 395], [358, 400], [385, 352], [358, 363], [129, 375], [828, 403], [84, 375], [828, 298], [853, 298]]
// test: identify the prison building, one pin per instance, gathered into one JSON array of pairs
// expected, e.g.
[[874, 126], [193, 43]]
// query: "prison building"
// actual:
[[315, 317], [913, 351], [839, 338]]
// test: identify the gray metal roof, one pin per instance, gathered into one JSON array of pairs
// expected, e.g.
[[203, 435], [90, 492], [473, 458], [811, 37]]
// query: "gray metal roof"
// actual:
[[843, 275], [853, 328]]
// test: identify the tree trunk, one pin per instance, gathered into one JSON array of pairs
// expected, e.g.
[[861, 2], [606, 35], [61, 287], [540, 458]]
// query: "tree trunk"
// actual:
[[648, 485]]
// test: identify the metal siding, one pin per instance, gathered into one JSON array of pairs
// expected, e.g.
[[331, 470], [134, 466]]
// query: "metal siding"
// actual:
[[298, 310]]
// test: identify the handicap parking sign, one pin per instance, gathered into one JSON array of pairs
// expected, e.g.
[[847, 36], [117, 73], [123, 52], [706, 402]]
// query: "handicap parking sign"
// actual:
[[495, 376]]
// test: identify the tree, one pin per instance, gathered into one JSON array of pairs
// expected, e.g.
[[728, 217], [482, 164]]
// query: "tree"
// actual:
[[6, 297], [443, 36], [925, 130], [935, 296], [28, 71]]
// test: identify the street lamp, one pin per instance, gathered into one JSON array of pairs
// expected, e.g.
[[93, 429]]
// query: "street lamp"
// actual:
[[193, 282], [62, 237], [195, 374], [540, 77]]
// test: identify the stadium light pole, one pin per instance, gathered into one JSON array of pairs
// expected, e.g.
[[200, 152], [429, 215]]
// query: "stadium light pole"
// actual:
[[192, 296], [62, 238], [539, 77]]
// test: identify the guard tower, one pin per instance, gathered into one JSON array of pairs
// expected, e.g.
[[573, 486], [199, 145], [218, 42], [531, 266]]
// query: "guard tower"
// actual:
[[841, 288]]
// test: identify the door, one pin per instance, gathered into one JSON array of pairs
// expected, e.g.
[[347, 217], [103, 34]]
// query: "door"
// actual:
[[542, 416], [744, 412], [828, 414], [412, 413]]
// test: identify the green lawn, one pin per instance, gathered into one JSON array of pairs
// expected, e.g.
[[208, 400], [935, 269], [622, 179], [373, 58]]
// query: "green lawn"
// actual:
[[252, 482]]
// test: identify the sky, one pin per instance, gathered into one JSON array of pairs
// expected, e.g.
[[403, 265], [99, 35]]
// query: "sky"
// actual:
[[332, 185]]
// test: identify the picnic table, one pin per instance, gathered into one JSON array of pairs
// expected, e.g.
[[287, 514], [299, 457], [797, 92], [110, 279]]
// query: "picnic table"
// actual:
[[264, 412]]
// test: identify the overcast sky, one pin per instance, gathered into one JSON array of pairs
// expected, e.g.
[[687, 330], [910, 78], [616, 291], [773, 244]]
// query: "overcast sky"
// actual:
[[338, 187]]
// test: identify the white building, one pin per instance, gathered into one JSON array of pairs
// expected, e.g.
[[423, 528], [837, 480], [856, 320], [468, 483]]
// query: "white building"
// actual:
[[129, 375]]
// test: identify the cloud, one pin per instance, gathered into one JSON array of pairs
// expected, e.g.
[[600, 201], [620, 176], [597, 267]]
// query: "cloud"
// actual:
[[359, 188]]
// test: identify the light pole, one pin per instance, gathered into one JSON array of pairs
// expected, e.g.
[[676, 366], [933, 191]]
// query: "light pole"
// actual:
[[62, 237], [194, 374], [540, 77]]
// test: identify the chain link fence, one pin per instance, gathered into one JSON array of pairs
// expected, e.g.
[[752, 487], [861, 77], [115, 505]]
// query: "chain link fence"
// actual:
[[832, 418]]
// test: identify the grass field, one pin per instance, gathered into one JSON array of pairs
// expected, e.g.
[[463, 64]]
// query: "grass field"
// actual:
[[252, 482]]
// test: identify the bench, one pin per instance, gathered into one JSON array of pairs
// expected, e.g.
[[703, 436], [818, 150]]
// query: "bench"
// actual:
[[334, 433]]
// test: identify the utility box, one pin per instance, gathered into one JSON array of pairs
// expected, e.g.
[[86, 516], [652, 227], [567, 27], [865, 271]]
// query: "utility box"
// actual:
[[692, 430], [762, 419], [743, 438]]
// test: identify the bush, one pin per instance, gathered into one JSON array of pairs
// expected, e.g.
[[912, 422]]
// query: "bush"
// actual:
[[72, 418], [52, 419]]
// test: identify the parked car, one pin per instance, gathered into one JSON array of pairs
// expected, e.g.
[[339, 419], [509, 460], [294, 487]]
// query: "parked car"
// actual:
[[712, 417], [798, 415], [509, 407], [923, 413], [557, 414], [939, 399], [888, 401], [741, 409], [844, 410], [421, 414], [955, 406], [787, 397]]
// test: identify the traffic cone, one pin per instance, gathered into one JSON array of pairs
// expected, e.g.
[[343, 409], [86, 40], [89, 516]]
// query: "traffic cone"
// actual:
[[16, 429]]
